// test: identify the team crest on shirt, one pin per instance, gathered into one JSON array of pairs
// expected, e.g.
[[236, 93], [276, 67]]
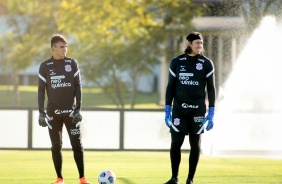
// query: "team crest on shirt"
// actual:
[[199, 66], [176, 121], [68, 68]]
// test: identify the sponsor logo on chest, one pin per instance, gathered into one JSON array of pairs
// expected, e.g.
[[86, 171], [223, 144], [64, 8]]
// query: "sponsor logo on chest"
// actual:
[[184, 78]]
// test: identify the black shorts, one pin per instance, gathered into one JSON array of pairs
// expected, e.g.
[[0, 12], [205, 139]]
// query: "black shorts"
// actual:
[[57, 127], [188, 121]]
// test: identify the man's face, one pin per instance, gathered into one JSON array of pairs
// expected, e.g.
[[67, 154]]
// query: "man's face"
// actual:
[[196, 46], [60, 50]]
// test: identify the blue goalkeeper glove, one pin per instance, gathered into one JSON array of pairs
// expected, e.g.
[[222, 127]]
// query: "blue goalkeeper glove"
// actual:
[[168, 115], [76, 117], [209, 119], [42, 120]]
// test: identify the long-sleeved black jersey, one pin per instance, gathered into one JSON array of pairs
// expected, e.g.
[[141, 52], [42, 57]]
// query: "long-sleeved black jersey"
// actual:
[[61, 80], [188, 78]]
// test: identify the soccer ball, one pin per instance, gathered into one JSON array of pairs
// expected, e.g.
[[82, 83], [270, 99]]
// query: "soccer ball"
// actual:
[[107, 177]]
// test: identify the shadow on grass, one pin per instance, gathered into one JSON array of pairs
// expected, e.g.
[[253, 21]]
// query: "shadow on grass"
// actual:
[[124, 181]]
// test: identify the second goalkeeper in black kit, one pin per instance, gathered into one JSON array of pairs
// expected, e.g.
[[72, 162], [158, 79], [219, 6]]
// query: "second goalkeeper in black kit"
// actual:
[[59, 76], [191, 76]]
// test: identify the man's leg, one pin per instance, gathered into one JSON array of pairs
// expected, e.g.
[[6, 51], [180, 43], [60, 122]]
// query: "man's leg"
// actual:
[[75, 139], [177, 139], [195, 144], [56, 140]]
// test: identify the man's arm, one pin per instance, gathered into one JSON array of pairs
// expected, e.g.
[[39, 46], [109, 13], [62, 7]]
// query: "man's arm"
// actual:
[[41, 89], [77, 87], [211, 98], [170, 89], [211, 90], [210, 77], [41, 96]]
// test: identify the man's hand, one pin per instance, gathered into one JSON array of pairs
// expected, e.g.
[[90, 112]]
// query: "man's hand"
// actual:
[[209, 119], [168, 115], [42, 120], [76, 117]]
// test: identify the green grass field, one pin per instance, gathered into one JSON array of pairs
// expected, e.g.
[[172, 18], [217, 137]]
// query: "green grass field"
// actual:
[[92, 97], [36, 167]]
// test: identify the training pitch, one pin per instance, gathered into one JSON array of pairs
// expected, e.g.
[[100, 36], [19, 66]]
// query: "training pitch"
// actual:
[[36, 167]]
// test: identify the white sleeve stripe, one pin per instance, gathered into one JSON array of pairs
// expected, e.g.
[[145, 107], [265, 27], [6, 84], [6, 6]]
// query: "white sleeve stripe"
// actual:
[[76, 73], [172, 73], [42, 78], [209, 74]]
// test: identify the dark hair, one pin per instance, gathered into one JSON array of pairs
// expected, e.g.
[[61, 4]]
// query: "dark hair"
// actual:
[[191, 37], [57, 38]]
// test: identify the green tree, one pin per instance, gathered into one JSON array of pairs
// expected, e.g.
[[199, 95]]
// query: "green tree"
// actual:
[[30, 26], [112, 38], [126, 36]]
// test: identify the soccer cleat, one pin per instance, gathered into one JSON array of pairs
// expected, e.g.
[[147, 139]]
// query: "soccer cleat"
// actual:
[[172, 181], [83, 180], [59, 181], [188, 181]]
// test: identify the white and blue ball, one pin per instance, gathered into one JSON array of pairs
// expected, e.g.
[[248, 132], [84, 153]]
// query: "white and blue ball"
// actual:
[[107, 177]]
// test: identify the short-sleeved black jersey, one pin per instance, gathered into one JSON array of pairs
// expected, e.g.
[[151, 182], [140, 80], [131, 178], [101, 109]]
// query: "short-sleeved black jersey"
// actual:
[[188, 78], [61, 80]]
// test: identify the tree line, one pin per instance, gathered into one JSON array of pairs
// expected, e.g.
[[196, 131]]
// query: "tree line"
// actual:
[[107, 37]]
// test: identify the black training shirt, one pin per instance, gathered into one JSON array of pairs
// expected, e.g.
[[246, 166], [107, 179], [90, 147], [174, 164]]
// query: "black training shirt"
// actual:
[[189, 77], [61, 80]]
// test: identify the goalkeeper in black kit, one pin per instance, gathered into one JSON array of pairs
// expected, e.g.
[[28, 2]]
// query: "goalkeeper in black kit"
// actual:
[[59, 76], [191, 76]]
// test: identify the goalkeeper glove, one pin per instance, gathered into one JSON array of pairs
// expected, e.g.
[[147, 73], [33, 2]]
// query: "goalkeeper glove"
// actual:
[[42, 120], [76, 117], [209, 119], [168, 115]]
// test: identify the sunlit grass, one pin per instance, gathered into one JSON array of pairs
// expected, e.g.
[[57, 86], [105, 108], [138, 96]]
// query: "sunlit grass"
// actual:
[[133, 167]]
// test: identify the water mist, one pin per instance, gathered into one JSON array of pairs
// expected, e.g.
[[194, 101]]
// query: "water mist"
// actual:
[[248, 119]]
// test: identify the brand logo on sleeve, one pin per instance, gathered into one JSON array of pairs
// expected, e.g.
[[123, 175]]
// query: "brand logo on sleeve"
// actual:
[[201, 60]]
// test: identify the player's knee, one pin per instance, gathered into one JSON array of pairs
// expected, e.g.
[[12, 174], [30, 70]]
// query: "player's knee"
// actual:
[[176, 145], [77, 146], [56, 147]]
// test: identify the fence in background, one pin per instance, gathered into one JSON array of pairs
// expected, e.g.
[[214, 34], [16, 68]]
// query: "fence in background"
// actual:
[[144, 129], [101, 129]]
